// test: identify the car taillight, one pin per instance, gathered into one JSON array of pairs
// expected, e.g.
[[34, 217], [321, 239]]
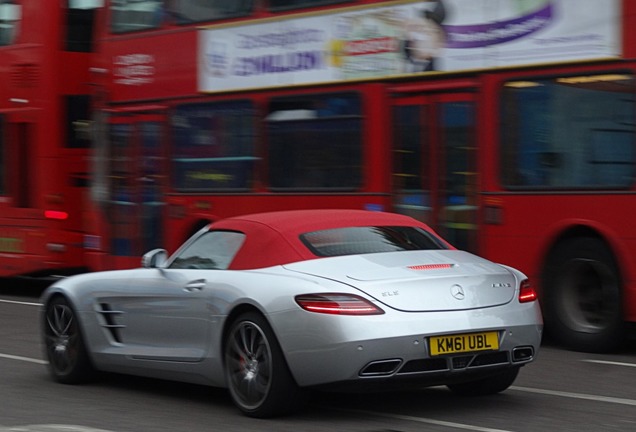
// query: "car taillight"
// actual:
[[337, 304], [526, 292]]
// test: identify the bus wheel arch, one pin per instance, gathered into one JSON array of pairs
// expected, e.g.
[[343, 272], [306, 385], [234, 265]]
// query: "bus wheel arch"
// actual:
[[582, 292]]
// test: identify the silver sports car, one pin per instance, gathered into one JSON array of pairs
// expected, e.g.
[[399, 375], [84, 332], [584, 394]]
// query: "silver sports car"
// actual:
[[274, 304]]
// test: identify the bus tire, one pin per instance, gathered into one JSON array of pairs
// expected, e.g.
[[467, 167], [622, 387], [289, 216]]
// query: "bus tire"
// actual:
[[583, 296]]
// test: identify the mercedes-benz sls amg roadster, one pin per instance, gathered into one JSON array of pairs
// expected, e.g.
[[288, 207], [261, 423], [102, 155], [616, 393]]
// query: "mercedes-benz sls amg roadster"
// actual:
[[273, 305]]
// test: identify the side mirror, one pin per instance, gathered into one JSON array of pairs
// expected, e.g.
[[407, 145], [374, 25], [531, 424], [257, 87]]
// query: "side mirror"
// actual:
[[156, 258]]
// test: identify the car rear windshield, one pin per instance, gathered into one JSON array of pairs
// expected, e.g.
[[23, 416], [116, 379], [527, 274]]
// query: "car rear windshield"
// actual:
[[364, 240]]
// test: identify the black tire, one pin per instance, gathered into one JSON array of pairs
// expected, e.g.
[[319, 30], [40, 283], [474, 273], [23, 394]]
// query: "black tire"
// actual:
[[486, 386], [583, 296], [256, 372], [68, 360]]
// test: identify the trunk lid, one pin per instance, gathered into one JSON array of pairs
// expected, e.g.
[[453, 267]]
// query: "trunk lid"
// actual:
[[418, 281]]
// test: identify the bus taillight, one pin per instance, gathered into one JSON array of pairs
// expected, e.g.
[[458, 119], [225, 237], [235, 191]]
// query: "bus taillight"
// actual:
[[55, 214]]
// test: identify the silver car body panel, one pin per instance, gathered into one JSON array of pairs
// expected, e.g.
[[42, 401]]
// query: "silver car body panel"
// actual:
[[170, 323]]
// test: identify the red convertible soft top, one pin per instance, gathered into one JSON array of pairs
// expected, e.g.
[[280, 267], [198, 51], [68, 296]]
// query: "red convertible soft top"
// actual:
[[273, 238]]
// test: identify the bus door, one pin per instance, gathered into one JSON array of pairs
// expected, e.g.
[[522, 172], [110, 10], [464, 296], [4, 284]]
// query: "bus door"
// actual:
[[135, 167], [435, 164], [17, 160], [22, 224]]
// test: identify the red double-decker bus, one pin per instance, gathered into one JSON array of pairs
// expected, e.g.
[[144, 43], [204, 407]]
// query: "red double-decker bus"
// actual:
[[507, 126], [44, 134]]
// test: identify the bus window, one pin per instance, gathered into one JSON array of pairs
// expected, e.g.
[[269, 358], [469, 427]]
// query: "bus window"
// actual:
[[122, 209], [129, 16], [411, 179], [458, 180], [315, 142], [151, 163], [10, 16], [20, 140], [135, 180], [77, 109], [213, 146], [79, 25], [574, 132], [296, 4], [186, 12]]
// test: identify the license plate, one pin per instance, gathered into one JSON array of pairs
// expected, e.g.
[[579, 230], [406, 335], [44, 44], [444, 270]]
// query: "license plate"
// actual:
[[461, 343], [11, 245]]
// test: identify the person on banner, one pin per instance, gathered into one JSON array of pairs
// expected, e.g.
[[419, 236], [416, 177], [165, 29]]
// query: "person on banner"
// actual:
[[424, 38]]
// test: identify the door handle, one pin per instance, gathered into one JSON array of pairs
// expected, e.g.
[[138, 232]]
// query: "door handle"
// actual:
[[196, 285]]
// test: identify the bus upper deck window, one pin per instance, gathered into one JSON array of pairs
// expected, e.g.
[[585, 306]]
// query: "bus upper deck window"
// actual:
[[79, 24], [210, 10], [10, 16], [130, 16], [297, 4]]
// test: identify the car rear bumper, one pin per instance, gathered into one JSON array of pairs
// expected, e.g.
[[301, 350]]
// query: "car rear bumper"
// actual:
[[376, 351]]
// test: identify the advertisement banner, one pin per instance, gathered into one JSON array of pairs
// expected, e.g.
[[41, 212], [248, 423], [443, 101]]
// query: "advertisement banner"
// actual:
[[406, 38]]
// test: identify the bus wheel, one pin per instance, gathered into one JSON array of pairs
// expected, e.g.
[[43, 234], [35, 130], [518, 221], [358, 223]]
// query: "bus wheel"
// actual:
[[583, 296]]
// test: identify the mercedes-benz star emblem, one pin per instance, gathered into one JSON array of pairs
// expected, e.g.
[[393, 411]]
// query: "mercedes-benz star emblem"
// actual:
[[458, 292]]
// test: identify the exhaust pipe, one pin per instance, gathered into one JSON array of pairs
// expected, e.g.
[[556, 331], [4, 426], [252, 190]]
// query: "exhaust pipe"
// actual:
[[522, 354], [381, 367]]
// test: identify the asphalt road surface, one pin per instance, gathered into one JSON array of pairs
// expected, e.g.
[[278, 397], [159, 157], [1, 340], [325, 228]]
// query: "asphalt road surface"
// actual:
[[561, 391]]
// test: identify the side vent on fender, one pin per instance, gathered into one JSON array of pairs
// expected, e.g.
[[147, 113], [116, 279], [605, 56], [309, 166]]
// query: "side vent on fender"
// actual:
[[109, 321]]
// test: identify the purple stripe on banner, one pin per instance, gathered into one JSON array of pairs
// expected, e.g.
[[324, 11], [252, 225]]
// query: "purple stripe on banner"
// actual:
[[476, 36]]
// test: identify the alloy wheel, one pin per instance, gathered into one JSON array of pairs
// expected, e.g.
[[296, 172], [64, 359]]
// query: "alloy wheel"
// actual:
[[61, 337], [249, 363]]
